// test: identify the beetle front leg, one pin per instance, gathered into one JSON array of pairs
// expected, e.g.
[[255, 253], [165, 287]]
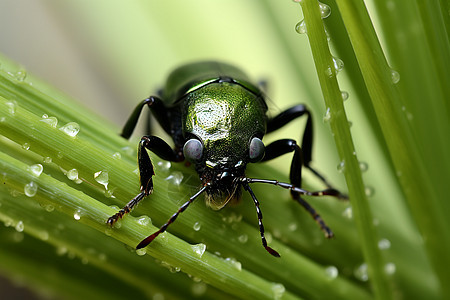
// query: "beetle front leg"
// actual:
[[146, 171], [158, 109]]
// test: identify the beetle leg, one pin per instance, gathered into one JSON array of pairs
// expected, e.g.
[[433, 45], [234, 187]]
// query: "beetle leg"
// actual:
[[280, 147], [307, 142], [146, 171], [158, 109], [261, 226], [163, 228]]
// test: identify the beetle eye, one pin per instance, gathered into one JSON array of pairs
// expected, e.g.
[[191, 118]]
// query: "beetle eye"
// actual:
[[256, 150], [193, 150]]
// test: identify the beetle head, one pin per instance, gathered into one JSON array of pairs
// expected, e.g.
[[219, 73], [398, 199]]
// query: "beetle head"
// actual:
[[221, 164]]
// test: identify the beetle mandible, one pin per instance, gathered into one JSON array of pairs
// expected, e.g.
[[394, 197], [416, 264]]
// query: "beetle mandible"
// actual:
[[217, 120]]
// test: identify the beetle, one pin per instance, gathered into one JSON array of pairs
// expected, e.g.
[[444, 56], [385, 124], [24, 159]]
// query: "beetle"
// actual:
[[217, 119]]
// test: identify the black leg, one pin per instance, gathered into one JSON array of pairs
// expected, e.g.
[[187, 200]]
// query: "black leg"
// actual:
[[146, 172], [261, 226], [158, 109], [307, 142], [163, 228], [281, 147], [298, 191]]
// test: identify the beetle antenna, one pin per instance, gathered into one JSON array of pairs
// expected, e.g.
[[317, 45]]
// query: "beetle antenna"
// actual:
[[328, 192], [261, 226], [163, 228]]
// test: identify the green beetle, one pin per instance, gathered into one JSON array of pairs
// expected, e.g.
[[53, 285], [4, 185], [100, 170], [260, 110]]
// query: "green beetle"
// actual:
[[217, 120]]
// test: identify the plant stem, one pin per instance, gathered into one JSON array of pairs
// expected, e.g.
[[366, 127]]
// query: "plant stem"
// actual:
[[325, 66]]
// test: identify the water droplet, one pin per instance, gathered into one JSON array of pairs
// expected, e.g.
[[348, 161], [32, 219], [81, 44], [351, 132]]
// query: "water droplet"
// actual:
[[102, 177], [77, 215], [141, 252], [164, 167], [72, 174], [144, 220], [301, 27], [52, 121], [61, 250], [237, 265], [2, 119], [338, 64], [26, 146], [344, 95], [376, 222], [36, 169], [199, 249], [110, 193], [348, 212], [293, 226], [395, 76], [102, 257], [243, 238], [21, 75], [361, 272], [325, 10], [117, 155], [197, 226], [329, 72], [198, 289], [47, 160], [341, 167], [71, 129], [19, 226], [30, 189], [171, 268], [49, 207], [175, 178], [12, 105], [158, 296], [369, 191], [232, 218], [278, 290], [384, 244], [108, 230], [363, 166], [332, 272], [327, 116], [390, 268], [327, 34]]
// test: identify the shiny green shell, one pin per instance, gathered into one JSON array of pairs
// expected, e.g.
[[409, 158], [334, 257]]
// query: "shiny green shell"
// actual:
[[224, 115]]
